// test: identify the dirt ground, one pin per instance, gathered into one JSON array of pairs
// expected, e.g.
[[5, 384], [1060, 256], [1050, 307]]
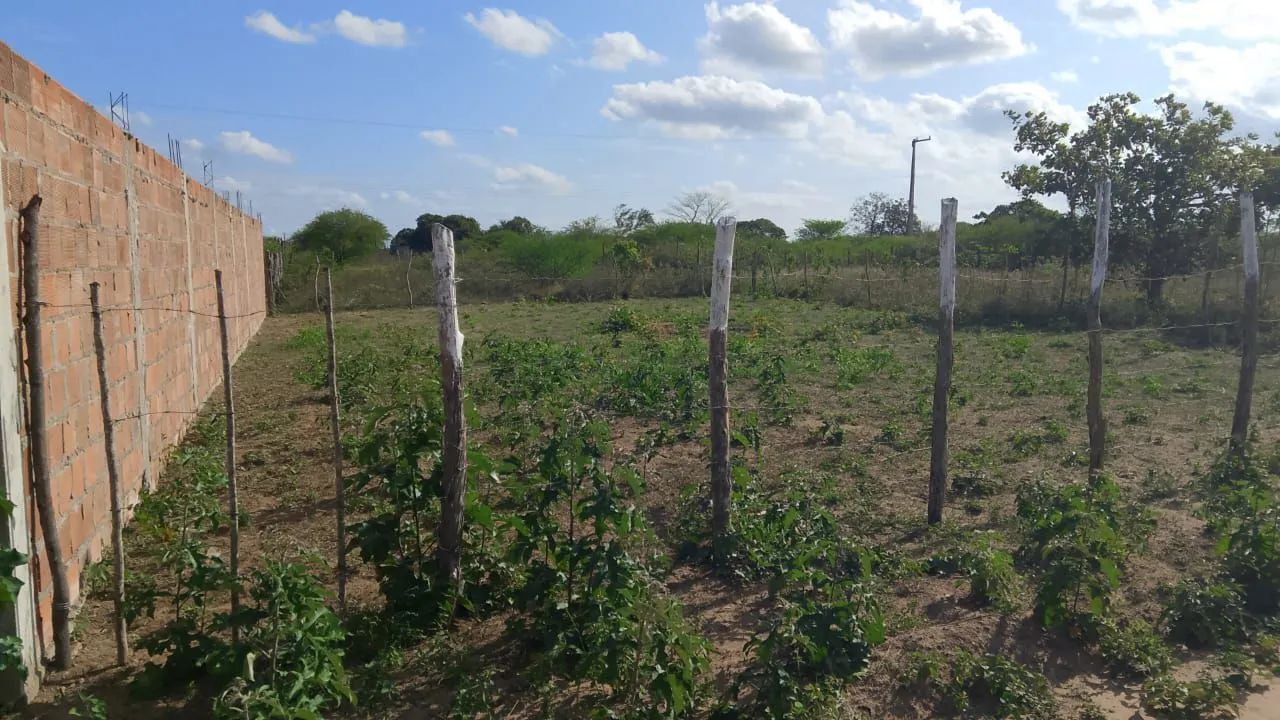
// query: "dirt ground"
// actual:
[[1169, 408]]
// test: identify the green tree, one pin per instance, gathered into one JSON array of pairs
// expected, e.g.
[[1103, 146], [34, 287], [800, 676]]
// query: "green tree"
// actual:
[[879, 214], [343, 235], [816, 230], [699, 206], [627, 220], [1173, 175], [519, 225], [418, 238], [762, 228]]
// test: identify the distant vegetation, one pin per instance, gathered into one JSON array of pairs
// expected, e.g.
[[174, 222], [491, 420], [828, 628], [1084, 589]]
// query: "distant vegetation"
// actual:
[[1175, 174]]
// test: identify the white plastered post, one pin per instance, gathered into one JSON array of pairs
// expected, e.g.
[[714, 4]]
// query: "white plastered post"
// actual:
[[14, 531]]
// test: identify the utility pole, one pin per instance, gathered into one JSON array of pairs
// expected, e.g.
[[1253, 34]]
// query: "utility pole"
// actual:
[[911, 196]]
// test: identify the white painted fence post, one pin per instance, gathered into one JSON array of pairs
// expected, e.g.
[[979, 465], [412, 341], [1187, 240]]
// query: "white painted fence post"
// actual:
[[452, 504], [946, 359], [721, 284], [1101, 239], [1249, 349]]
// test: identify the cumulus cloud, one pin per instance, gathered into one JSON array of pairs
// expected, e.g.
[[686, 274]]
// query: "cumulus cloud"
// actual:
[[757, 36], [882, 42], [529, 175], [712, 107], [508, 131], [439, 138], [512, 31], [1241, 19], [617, 50], [984, 113], [268, 24], [1236, 77], [242, 142], [195, 145], [367, 31]]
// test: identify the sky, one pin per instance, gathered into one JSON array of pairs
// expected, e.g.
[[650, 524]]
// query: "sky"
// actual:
[[557, 111]]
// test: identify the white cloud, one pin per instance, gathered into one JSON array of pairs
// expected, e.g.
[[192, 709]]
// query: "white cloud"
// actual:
[[141, 118], [984, 112], [1237, 77], [512, 31], [194, 145], [226, 182], [401, 196], [328, 198], [757, 36], [267, 24], [243, 142], [712, 107], [508, 131], [1066, 77], [529, 175], [1240, 19], [882, 42], [755, 203], [617, 50], [439, 138], [367, 31]]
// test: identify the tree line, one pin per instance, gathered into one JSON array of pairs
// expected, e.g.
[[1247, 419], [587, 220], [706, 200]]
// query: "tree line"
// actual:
[[1175, 174]]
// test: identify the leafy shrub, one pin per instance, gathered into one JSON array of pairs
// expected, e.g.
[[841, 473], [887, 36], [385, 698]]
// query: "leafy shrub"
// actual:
[[826, 631], [1204, 613], [1132, 648], [772, 532], [992, 577], [1205, 698], [986, 685], [1079, 536], [292, 649], [594, 608]]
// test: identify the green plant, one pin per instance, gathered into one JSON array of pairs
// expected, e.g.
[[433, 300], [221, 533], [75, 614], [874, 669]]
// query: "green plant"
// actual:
[[89, 707], [826, 630], [1204, 613], [984, 685], [1206, 698], [990, 571], [593, 607], [1132, 648], [292, 649], [1079, 536], [854, 366]]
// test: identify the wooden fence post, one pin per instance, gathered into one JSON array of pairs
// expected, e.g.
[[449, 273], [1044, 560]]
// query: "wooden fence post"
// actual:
[[454, 483], [721, 284], [233, 502], [339, 486], [113, 480], [1249, 351], [38, 439], [408, 278], [1101, 239], [946, 358]]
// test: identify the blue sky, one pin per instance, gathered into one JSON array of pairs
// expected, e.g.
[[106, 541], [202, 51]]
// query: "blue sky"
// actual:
[[557, 111]]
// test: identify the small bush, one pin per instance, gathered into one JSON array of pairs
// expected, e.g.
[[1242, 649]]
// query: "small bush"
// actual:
[[983, 685], [1132, 648], [1206, 698], [1204, 613]]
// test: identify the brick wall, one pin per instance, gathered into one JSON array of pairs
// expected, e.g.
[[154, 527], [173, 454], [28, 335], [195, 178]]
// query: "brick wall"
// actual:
[[117, 212]]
